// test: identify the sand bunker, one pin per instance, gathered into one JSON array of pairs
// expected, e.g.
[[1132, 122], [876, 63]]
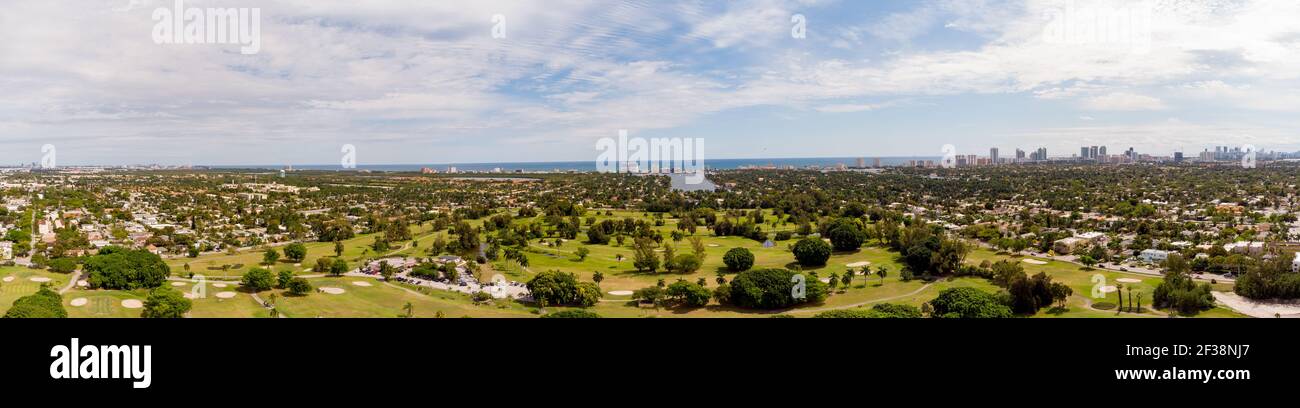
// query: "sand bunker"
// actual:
[[178, 283], [621, 293], [714, 245], [1108, 289], [226, 295], [1257, 308], [858, 264], [83, 283], [132, 304], [40, 279], [332, 291], [189, 295], [218, 285], [362, 283], [1034, 262], [1128, 280], [79, 302], [9, 279]]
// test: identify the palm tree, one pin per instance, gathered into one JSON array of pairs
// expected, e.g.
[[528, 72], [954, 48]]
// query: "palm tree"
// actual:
[[882, 272], [409, 308], [1119, 294]]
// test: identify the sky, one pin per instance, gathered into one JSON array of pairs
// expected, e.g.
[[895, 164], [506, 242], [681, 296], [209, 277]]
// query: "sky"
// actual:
[[506, 81]]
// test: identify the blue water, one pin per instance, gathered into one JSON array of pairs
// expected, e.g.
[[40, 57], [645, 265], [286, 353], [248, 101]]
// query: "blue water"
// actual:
[[589, 166]]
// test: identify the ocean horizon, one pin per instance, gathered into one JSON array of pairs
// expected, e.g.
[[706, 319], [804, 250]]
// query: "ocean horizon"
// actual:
[[585, 166]]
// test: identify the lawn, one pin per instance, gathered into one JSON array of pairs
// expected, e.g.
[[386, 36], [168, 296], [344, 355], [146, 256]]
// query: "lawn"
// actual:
[[383, 300], [22, 285]]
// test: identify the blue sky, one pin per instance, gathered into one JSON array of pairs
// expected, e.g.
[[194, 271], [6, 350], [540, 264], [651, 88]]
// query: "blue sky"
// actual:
[[426, 82]]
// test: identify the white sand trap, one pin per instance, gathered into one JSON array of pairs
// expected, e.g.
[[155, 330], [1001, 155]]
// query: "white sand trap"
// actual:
[[83, 283], [1108, 289], [362, 283], [40, 279], [189, 295], [79, 302], [178, 283], [714, 245], [1257, 308], [826, 280], [333, 291], [858, 264], [132, 304], [218, 285], [1034, 262], [621, 293], [9, 279], [226, 295], [1128, 280]]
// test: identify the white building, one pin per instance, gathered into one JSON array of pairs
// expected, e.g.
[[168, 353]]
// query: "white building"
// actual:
[[7, 251], [1154, 256], [1295, 264]]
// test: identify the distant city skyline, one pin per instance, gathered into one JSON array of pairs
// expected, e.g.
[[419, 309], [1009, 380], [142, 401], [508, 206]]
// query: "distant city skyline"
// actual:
[[447, 82]]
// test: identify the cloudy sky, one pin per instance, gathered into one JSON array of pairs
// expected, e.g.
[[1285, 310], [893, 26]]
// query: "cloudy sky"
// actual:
[[427, 81]]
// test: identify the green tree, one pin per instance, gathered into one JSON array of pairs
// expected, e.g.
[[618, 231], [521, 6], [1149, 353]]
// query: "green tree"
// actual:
[[295, 252], [165, 302], [283, 278], [812, 252], [123, 269], [257, 280], [738, 259], [299, 286], [968, 303], [270, 257], [339, 267], [773, 289]]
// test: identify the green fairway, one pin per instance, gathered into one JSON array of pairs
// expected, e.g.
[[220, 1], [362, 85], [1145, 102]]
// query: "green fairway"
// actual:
[[22, 285]]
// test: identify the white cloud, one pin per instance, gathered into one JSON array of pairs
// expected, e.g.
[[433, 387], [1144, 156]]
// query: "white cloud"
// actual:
[[1122, 101]]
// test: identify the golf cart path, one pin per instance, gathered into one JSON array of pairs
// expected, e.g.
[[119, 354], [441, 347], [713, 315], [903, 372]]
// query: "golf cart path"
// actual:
[[76, 276]]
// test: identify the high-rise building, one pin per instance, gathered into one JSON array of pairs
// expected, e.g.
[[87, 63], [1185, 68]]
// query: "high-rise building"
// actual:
[[1020, 154], [1178, 157], [993, 155], [876, 162], [1083, 152], [1093, 152], [861, 163], [1102, 151]]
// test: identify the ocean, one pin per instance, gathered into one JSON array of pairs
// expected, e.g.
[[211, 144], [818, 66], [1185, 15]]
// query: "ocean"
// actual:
[[589, 166]]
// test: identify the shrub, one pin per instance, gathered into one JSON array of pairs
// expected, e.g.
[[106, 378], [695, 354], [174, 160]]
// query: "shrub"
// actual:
[[572, 314], [968, 303], [772, 289], [812, 252], [738, 259]]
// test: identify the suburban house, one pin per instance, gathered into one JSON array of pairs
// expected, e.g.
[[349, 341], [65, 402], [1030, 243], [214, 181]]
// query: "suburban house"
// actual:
[[7, 251], [1154, 256], [1243, 247]]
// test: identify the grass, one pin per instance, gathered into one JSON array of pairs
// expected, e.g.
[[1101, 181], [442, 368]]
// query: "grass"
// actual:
[[383, 300], [22, 285]]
